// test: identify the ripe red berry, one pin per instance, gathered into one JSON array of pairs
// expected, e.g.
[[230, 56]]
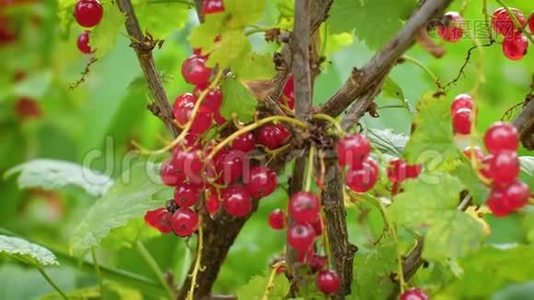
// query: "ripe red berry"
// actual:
[[300, 237], [160, 219], [451, 27], [212, 203], [212, 102], [515, 47], [462, 121], [260, 182], [502, 22], [496, 203], [531, 23], [186, 195], [317, 226], [184, 222], [462, 101], [363, 179], [237, 201], [83, 42], [189, 162], [245, 142], [88, 13], [212, 6], [273, 136], [501, 137], [27, 108], [229, 166], [195, 71], [183, 111], [317, 262], [170, 175], [474, 153], [413, 171], [413, 294], [288, 93], [328, 281], [516, 195], [396, 170], [277, 219], [352, 150], [304, 207], [504, 168], [485, 166]]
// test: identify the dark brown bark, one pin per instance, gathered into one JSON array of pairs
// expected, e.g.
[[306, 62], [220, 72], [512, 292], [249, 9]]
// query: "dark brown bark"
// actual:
[[341, 250], [364, 81], [525, 123], [143, 47]]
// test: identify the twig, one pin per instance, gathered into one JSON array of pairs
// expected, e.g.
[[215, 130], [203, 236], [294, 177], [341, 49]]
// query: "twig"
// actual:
[[143, 48], [465, 63], [379, 66], [97, 272], [52, 283], [85, 73], [154, 267], [198, 267]]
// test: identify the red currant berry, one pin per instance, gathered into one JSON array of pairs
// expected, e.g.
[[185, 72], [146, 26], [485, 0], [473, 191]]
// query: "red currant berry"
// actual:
[[212, 6], [83, 42], [515, 47], [504, 168], [212, 102], [516, 195], [474, 153], [160, 219], [451, 27], [244, 142], [396, 170], [183, 108], [462, 121], [88, 13], [186, 195], [273, 136], [212, 203], [277, 219], [485, 166], [201, 124], [230, 166], [496, 203], [170, 175], [531, 23], [304, 207], [237, 201], [195, 71], [190, 163], [261, 182], [288, 94], [502, 22], [413, 171], [300, 237], [317, 226], [352, 150], [328, 281], [414, 294], [184, 222], [219, 119], [27, 108], [501, 137], [462, 101], [364, 178], [283, 134], [317, 262]]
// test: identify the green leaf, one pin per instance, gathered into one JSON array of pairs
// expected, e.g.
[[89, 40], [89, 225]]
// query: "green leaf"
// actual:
[[27, 252], [527, 164], [230, 50], [65, 16], [464, 171], [391, 89], [387, 141], [489, 270], [455, 234], [368, 18], [515, 292], [373, 269], [129, 198], [256, 286], [104, 36], [161, 19], [256, 67], [237, 99], [203, 35], [242, 13], [432, 141], [52, 174], [126, 236]]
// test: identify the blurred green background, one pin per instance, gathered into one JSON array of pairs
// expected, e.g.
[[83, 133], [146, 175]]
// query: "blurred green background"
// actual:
[[108, 110]]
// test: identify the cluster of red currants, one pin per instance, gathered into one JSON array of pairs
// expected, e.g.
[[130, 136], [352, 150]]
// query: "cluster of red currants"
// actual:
[[515, 43], [501, 166], [463, 113], [304, 209], [88, 14], [197, 172], [398, 171], [353, 153]]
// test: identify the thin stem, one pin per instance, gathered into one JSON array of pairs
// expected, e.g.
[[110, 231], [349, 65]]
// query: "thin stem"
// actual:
[[97, 272], [189, 124], [270, 283], [51, 282], [425, 69], [251, 127], [197, 268], [153, 265], [332, 121], [309, 171]]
